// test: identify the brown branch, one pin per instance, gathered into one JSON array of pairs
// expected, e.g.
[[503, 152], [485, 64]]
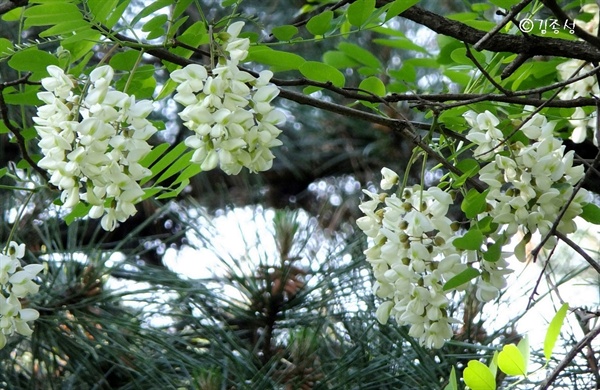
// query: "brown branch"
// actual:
[[569, 358], [15, 130], [401, 126], [593, 263], [500, 42]]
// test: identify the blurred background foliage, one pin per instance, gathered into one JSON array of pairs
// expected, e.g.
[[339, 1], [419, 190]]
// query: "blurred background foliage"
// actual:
[[255, 281]]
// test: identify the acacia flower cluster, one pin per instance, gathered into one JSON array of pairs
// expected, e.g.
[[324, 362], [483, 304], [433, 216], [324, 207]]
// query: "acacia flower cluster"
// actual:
[[412, 241], [93, 143], [412, 256], [528, 184], [229, 111], [16, 283]]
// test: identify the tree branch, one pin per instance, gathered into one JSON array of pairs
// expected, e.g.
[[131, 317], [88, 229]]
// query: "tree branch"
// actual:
[[569, 358], [531, 45]]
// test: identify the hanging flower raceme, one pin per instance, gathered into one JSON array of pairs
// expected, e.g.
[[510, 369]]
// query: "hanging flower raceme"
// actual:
[[528, 184], [93, 143], [16, 283], [412, 256], [229, 112]]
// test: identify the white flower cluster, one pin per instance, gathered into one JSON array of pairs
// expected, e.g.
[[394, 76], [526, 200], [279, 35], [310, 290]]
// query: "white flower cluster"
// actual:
[[16, 283], [412, 257], [229, 111], [93, 144], [586, 87], [529, 184]]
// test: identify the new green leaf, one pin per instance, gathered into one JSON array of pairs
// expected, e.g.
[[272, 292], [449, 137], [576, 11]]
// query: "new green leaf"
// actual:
[[511, 361], [478, 376], [554, 330]]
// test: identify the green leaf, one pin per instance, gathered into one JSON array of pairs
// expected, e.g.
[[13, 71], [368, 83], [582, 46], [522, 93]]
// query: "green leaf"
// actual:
[[279, 61], [459, 56], [32, 60], [69, 27], [319, 24], [472, 240], [285, 32], [591, 213], [318, 71], [101, 9], [6, 47], [523, 347], [178, 165], [400, 43], [187, 173], [339, 60], [494, 252], [180, 7], [360, 11], [511, 361], [125, 60], [51, 13], [554, 330], [462, 278], [478, 376], [374, 85], [452, 382], [117, 13], [154, 154], [399, 6], [164, 162], [474, 203], [13, 15], [468, 166], [27, 96], [156, 22], [79, 211], [150, 9], [360, 55]]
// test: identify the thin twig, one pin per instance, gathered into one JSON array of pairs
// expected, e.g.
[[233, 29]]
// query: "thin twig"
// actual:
[[593, 263], [485, 73], [569, 358], [507, 18], [553, 230], [403, 127], [564, 18]]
